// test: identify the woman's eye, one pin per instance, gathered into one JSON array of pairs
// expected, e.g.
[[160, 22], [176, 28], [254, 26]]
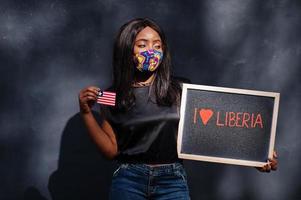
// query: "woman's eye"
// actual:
[[157, 47], [141, 46]]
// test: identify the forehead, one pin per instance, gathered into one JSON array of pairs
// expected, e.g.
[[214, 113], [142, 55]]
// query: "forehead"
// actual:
[[148, 34]]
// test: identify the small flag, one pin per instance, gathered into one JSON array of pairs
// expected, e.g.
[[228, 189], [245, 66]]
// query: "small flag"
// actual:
[[106, 98]]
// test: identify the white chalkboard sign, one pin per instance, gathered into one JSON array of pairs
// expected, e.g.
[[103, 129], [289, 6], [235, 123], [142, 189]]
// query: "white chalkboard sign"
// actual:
[[227, 125]]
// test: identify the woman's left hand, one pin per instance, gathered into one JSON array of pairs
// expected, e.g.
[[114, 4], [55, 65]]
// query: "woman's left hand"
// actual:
[[272, 164]]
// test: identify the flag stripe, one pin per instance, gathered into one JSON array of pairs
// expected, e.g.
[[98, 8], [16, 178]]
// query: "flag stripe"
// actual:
[[107, 99], [109, 93], [105, 102], [102, 101], [105, 95], [110, 103]]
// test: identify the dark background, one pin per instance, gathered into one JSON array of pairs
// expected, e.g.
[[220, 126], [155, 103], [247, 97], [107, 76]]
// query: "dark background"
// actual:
[[49, 50]]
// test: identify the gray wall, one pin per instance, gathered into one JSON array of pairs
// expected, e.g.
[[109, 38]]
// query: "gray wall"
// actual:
[[49, 50]]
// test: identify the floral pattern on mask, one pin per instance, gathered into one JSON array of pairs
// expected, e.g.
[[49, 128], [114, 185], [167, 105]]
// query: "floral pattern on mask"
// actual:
[[148, 60]]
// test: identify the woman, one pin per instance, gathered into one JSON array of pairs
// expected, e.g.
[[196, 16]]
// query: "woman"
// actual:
[[140, 131]]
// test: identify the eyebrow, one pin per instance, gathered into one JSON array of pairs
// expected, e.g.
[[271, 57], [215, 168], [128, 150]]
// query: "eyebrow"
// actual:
[[145, 40]]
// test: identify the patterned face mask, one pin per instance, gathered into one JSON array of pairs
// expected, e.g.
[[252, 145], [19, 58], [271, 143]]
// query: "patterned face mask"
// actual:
[[148, 60]]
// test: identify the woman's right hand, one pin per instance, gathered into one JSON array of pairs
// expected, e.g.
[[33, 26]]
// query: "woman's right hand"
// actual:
[[87, 97]]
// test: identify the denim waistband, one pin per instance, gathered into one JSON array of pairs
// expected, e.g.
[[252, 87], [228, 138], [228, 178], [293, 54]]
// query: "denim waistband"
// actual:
[[155, 169]]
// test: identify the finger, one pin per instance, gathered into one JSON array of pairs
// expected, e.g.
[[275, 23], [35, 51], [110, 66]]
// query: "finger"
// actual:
[[90, 94], [83, 97], [275, 155], [96, 93], [93, 89], [265, 168], [89, 99], [89, 89], [274, 167], [273, 163], [268, 167]]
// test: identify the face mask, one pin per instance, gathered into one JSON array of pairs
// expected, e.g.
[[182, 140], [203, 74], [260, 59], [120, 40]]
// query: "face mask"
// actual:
[[148, 60]]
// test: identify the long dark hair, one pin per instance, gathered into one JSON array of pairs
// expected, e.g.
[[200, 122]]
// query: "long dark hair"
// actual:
[[167, 90]]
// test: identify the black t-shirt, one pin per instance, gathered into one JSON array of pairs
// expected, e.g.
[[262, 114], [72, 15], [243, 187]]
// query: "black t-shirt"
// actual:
[[147, 133]]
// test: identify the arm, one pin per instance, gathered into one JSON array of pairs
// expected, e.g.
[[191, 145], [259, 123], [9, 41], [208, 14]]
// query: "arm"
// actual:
[[103, 136]]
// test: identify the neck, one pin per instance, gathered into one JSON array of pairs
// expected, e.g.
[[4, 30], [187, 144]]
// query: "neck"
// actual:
[[144, 78]]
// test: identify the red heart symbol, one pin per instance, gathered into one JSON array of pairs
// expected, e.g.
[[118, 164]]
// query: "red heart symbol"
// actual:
[[206, 114]]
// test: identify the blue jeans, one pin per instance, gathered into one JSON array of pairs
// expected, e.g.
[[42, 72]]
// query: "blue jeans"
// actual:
[[140, 181]]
